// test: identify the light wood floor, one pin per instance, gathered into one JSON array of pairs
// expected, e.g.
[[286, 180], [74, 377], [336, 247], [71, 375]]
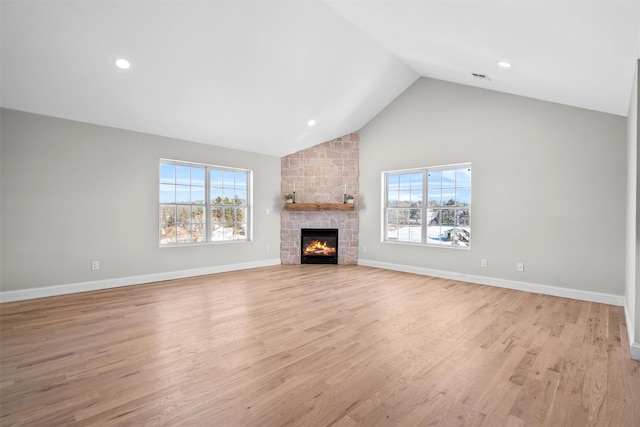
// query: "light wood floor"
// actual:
[[311, 345]]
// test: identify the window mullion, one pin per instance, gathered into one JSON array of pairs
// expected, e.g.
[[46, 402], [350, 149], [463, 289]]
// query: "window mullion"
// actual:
[[425, 193], [207, 204]]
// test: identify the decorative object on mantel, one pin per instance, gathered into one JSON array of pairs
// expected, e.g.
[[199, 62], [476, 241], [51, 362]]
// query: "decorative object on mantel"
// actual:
[[319, 207], [290, 198], [348, 198]]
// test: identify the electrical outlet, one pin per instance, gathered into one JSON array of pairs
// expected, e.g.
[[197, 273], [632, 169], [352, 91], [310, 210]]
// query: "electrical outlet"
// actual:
[[484, 263], [520, 266], [364, 249], [95, 265], [268, 249]]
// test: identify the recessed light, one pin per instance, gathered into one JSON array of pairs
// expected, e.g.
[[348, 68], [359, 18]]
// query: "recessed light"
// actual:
[[504, 64], [311, 122], [122, 63]]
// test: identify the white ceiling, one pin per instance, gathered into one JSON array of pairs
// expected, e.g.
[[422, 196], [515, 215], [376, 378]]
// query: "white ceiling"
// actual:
[[250, 75]]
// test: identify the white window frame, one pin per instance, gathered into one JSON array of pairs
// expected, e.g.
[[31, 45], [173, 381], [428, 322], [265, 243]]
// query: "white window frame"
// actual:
[[207, 204], [420, 235]]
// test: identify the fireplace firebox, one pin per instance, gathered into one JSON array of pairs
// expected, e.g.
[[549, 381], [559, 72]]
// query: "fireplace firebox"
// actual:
[[319, 246]]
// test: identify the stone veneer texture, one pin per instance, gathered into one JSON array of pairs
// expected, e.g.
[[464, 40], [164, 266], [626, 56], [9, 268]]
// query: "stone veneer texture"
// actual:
[[321, 174]]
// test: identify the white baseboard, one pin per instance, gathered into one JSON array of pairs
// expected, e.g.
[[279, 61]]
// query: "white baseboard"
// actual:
[[635, 351], [634, 347], [49, 291], [502, 283]]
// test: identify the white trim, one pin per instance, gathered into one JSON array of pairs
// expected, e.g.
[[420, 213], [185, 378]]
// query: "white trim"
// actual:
[[634, 347], [438, 167], [635, 351], [207, 205], [48, 291], [502, 283], [425, 171]]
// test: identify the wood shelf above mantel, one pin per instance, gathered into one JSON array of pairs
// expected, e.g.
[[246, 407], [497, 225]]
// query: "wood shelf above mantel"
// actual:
[[318, 206]]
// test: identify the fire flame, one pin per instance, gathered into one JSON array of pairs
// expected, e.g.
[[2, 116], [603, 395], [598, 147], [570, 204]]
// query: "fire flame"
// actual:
[[319, 248]]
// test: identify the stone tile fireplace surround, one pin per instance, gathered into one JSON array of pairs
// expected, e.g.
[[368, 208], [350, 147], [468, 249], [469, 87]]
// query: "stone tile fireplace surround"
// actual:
[[321, 174]]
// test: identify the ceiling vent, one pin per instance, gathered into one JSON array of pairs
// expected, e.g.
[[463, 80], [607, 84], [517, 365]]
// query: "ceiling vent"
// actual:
[[481, 76]]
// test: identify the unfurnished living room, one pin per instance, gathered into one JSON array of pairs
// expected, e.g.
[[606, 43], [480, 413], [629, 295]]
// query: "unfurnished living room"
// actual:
[[319, 213]]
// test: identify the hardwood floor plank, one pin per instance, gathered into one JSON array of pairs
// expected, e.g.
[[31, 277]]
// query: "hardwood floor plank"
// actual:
[[315, 345]]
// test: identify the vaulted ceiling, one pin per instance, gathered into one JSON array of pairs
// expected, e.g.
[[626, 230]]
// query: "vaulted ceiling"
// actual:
[[250, 75]]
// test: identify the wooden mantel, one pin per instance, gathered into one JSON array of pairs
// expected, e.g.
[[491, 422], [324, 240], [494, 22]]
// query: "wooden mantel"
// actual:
[[318, 206]]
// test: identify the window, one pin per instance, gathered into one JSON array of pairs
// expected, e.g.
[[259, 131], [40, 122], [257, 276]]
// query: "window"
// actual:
[[445, 218], [202, 203]]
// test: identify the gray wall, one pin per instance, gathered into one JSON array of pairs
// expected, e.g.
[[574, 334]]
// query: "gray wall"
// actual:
[[632, 295], [634, 135], [73, 192], [548, 184]]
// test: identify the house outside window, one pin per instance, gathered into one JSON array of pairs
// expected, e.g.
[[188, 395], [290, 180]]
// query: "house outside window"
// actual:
[[202, 204], [430, 206]]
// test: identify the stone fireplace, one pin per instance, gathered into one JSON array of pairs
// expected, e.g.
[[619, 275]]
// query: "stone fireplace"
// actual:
[[320, 177]]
